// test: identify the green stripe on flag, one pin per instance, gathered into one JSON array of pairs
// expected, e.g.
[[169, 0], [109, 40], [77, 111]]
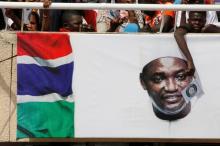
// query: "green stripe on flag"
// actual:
[[45, 119]]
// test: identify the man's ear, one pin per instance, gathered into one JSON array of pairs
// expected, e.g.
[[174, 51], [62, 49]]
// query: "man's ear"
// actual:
[[142, 81]]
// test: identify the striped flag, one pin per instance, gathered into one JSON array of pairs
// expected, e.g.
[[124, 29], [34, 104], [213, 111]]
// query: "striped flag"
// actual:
[[45, 105]]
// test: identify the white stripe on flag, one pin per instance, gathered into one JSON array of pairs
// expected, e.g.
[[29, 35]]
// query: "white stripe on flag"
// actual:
[[43, 62], [44, 98]]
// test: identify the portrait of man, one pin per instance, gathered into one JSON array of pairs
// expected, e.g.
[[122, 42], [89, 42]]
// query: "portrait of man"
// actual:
[[164, 79]]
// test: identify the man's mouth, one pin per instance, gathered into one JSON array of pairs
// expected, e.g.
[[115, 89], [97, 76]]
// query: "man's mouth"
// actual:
[[172, 100], [197, 28]]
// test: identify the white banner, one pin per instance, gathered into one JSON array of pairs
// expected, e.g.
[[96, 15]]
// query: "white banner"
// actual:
[[111, 102]]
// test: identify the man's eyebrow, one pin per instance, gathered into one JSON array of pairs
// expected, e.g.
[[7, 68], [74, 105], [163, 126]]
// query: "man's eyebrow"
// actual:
[[180, 71], [158, 74], [149, 76]]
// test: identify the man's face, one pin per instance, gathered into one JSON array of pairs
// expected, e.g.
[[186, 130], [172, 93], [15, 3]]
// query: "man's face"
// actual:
[[164, 79], [74, 22], [197, 21]]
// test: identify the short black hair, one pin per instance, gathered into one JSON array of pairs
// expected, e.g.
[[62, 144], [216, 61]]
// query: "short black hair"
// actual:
[[66, 14], [203, 13]]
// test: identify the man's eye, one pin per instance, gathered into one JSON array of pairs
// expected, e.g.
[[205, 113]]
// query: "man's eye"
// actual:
[[181, 76], [157, 79]]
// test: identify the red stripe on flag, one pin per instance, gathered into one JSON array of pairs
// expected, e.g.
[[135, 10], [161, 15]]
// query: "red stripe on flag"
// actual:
[[43, 45]]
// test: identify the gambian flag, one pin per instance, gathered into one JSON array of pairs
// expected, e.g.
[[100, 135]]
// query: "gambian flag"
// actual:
[[45, 104]]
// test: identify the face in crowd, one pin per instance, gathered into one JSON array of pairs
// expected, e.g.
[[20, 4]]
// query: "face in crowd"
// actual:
[[72, 21], [164, 79], [34, 22], [197, 20]]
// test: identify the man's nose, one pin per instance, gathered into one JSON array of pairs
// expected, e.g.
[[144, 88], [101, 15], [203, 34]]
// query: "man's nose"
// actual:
[[171, 85], [196, 21]]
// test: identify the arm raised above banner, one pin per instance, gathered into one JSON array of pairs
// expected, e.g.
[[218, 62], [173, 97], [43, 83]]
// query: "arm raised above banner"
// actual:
[[181, 41]]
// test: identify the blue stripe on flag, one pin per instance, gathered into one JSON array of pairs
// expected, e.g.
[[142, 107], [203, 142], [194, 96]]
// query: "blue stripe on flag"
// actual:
[[37, 80]]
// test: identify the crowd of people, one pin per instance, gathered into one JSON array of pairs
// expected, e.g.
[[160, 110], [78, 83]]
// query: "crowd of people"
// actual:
[[101, 20]]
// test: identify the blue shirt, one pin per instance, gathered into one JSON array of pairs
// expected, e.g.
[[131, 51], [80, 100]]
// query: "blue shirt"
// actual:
[[177, 1]]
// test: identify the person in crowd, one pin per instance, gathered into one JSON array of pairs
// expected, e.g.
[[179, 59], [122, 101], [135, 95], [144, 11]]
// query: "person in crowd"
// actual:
[[153, 19], [125, 20], [2, 20], [196, 24], [164, 78], [34, 23], [132, 25], [88, 15], [15, 14], [182, 16], [72, 21], [117, 20]]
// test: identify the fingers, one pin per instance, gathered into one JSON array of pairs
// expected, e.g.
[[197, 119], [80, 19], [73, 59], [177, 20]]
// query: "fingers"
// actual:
[[190, 71], [46, 3]]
